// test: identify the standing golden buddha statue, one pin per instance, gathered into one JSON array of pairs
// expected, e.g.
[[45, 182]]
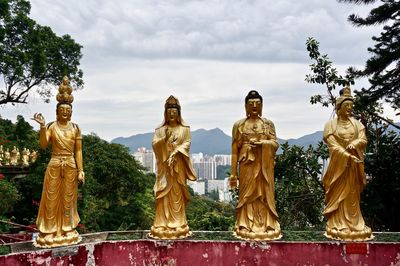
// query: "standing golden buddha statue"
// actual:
[[171, 145], [253, 148], [345, 178], [58, 216]]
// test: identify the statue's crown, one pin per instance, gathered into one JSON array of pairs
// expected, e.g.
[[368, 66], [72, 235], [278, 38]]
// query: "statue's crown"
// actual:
[[345, 92], [64, 94], [172, 102], [345, 95]]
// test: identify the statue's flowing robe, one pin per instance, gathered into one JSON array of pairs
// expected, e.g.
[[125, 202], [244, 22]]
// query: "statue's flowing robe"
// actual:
[[256, 207], [58, 204], [170, 188], [344, 179]]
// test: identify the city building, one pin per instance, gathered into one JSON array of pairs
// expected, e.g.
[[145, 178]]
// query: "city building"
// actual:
[[204, 166], [146, 158], [222, 159]]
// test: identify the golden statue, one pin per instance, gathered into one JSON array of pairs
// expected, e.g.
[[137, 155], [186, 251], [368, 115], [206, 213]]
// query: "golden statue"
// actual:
[[345, 178], [7, 157], [25, 157], [32, 156], [14, 156], [58, 216], [253, 148], [171, 145]]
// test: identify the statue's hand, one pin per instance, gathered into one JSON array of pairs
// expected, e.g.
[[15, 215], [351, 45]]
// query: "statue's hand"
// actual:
[[350, 147], [355, 159], [38, 117], [253, 140], [171, 158], [81, 177], [233, 181]]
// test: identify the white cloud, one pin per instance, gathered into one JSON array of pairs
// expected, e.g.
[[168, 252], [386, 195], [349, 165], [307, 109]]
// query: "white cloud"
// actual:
[[207, 53]]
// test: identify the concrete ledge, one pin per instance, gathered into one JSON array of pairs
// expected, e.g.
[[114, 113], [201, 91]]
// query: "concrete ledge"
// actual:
[[201, 252]]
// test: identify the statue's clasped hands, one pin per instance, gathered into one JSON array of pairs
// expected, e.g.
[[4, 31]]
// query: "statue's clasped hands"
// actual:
[[353, 157], [171, 158]]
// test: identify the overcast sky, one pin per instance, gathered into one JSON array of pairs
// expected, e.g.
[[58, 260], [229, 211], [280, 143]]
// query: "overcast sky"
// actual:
[[207, 53]]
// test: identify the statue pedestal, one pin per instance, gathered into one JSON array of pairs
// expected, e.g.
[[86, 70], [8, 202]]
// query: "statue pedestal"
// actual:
[[210, 252]]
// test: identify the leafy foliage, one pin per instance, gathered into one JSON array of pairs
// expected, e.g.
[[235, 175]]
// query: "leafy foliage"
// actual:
[[117, 193], [9, 195], [204, 213], [383, 68], [324, 73], [298, 187], [33, 56], [380, 197]]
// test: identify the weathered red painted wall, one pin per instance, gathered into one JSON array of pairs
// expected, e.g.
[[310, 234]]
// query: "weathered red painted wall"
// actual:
[[186, 252]]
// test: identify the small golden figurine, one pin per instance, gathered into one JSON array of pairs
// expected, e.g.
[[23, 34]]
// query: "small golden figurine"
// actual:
[[7, 157], [253, 148], [14, 156], [25, 157], [345, 178], [58, 215], [171, 145]]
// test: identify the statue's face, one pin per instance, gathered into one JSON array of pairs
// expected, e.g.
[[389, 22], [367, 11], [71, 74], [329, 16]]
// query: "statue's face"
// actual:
[[172, 115], [64, 112], [346, 109], [254, 107]]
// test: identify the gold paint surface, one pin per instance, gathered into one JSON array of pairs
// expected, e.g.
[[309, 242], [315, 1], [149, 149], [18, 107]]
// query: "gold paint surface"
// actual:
[[171, 145], [253, 153], [345, 177], [58, 215]]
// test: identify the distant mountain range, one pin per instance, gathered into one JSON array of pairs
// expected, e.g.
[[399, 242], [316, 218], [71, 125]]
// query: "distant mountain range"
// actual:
[[213, 141]]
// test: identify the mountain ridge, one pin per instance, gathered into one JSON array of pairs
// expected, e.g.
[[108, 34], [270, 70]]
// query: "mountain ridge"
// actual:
[[217, 141]]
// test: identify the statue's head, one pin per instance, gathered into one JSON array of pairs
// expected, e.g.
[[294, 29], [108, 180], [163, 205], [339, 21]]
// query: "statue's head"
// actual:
[[64, 112], [253, 104], [344, 103], [172, 112], [65, 80]]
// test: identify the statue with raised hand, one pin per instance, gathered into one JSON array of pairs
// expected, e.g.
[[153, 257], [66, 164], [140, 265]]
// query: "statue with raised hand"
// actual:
[[58, 216]]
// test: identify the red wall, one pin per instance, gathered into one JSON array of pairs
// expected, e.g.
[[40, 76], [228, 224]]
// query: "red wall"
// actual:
[[186, 252]]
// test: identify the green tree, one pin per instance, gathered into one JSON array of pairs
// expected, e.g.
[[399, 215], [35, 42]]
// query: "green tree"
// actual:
[[33, 56], [298, 186], [9, 195], [117, 194], [324, 73], [380, 198], [383, 68], [206, 214]]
